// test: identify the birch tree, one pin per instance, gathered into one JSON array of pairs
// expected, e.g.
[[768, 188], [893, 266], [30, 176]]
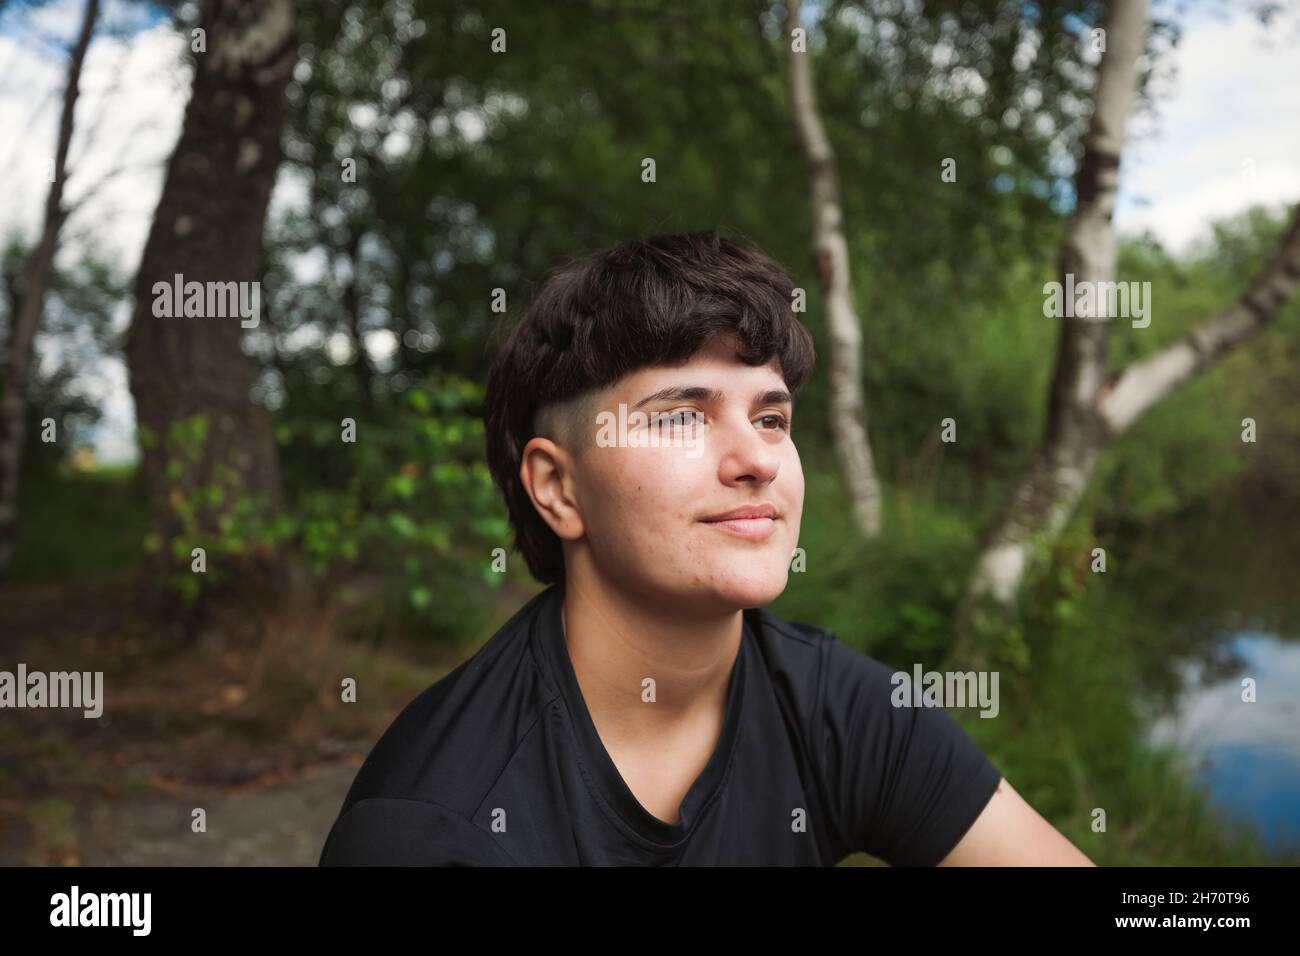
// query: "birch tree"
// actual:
[[830, 253], [1089, 406], [26, 318]]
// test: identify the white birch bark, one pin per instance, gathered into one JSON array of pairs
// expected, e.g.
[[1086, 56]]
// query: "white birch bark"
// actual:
[[1140, 385], [1075, 431], [848, 416]]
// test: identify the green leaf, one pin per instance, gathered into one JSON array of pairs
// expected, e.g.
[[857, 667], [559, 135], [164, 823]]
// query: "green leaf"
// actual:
[[403, 526], [402, 485]]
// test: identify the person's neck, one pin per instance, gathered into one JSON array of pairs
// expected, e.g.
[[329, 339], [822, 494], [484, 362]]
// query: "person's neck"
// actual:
[[616, 641]]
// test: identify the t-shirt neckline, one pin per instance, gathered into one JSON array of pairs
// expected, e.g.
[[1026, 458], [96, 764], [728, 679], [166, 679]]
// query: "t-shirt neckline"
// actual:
[[611, 786]]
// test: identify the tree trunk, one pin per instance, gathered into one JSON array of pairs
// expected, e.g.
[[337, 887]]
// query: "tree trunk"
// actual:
[[1089, 408], [1075, 433], [848, 416], [208, 229], [26, 317]]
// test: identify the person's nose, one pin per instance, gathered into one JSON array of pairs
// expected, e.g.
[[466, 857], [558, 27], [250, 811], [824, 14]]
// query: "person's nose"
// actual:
[[746, 455]]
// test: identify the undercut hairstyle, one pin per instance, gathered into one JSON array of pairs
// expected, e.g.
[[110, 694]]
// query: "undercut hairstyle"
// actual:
[[644, 302]]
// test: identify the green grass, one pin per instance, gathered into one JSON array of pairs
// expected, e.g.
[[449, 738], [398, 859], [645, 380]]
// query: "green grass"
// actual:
[[79, 525]]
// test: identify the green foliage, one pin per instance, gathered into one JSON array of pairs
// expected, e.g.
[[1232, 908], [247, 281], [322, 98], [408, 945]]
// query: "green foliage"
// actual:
[[894, 597], [410, 499], [79, 525], [75, 334], [216, 525], [1072, 731], [435, 218]]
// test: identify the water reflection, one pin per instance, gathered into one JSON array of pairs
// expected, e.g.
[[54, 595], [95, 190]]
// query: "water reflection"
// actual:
[[1246, 754]]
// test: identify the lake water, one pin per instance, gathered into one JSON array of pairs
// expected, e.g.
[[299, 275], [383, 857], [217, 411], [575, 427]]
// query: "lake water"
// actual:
[[1247, 755]]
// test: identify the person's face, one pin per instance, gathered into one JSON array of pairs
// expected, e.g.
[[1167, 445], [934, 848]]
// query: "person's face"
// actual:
[[649, 496]]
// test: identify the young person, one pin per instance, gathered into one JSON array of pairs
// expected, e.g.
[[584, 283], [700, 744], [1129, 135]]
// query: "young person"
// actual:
[[646, 707]]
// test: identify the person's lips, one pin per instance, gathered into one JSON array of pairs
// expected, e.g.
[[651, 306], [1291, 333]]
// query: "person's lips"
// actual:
[[754, 522]]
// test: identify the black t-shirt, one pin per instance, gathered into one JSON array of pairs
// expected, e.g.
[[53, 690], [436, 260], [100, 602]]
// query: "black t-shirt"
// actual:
[[499, 763]]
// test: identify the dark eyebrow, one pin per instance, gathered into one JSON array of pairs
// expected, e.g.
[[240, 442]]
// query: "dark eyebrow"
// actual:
[[698, 393]]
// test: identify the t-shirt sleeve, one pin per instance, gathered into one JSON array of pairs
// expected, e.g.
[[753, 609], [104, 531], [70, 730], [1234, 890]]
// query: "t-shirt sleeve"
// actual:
[[905, 783], [382, 831]]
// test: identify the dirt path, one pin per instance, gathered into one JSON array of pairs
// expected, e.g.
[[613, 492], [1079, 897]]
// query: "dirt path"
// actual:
[[280, 825], [247, 723]]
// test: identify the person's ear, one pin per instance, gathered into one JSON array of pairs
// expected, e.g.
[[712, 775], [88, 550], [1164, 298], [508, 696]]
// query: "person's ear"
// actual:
[[547, 473]]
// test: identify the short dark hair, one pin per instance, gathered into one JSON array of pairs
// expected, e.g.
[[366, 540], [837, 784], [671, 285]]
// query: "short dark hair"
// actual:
[[644, 302]]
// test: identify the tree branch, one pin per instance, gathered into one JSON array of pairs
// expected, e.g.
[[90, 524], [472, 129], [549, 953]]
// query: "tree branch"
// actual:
[[1143, 383]]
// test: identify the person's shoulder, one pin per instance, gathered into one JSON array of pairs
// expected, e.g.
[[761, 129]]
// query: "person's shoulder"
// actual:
[[450, 743], [810, 647], [387, 831], [817, 664], [786, 639], [796, 656], [791, 651]]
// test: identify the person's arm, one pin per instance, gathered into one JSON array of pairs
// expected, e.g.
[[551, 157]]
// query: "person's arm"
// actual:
[[1009, 832]]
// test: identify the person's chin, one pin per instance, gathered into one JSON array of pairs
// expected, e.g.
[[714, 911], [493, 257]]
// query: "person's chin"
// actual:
[[753, 587]]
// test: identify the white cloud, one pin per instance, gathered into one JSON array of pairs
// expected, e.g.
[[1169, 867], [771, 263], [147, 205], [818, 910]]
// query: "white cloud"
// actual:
[[134, 85], [1216, 716], [132, 94], [1227, 134]]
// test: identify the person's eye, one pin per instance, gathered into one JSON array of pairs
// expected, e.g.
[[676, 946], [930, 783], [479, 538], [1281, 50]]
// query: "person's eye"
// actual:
[[782, 423]]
